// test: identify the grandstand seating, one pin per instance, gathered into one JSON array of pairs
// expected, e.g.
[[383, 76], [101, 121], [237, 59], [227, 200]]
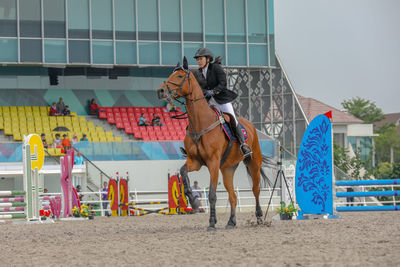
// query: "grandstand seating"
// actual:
[[127, 118], [24, 120]]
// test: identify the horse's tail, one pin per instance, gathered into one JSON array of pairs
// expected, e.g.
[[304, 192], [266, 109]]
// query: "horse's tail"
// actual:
[[266, 181]]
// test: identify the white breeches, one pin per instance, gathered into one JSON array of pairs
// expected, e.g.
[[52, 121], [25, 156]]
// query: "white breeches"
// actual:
[[227, 108]]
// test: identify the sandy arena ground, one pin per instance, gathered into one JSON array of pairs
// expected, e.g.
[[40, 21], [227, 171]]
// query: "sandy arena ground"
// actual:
[[357, 239]]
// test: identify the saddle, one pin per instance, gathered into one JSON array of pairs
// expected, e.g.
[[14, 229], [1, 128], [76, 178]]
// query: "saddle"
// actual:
[[229, 124]]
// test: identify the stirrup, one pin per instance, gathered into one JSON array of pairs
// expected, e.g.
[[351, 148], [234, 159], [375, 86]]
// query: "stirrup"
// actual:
[[246, 150]]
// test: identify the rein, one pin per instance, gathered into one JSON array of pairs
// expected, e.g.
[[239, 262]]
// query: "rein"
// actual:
[[192, 133]]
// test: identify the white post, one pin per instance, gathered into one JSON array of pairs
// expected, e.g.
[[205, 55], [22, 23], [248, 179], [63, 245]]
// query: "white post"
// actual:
[[36, 195], [238, 197]]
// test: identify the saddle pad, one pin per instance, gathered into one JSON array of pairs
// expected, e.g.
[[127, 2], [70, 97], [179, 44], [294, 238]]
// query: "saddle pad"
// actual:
[[227, 129], [230, 135]]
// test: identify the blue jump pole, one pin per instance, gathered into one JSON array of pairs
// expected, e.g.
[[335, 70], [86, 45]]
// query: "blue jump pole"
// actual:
[[369, 194], [369, 182], [368, 208]]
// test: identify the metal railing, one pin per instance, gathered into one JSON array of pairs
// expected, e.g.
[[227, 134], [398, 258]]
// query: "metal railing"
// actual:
[[245, 199]]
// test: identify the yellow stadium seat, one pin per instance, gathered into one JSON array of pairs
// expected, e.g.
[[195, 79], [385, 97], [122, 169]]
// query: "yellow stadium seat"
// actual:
[[82, 119], [45, 119], [74, 114], [90, 124], [117, 139], [110, 139], [60, 121], [6, 109], [17, 137], [67, 119], [35, 109], [109, 134], [1, 124], [13, 109], [28, 109], [8, 130], [51, 151]]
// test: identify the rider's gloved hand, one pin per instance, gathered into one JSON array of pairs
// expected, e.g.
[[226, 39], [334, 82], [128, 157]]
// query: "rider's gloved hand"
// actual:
[[209, 93]]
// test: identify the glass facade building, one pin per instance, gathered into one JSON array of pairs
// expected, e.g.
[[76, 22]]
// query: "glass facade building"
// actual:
[[135, 32], [119, 51]]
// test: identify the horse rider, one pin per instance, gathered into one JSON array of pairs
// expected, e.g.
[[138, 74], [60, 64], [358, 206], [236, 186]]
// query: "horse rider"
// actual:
[[212, 79]]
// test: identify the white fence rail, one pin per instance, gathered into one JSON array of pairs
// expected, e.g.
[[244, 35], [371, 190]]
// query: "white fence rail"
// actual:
[[245, 199]]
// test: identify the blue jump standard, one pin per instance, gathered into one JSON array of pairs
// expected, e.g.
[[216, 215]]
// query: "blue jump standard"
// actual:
[[369, 194], [369, 182], [368, 208]]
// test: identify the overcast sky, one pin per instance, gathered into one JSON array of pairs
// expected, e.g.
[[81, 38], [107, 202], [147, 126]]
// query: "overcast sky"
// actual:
[[336, 50]]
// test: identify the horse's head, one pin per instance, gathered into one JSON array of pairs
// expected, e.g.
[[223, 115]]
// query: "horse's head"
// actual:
[[177, 84]]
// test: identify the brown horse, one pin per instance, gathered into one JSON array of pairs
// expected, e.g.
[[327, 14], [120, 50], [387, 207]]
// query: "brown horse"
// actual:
[[206, 144]]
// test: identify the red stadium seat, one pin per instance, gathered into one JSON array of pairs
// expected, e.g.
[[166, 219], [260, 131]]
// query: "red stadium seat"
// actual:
[[122, 109], [103, 115], [128, 130], [109, 109], [119, 125], [117, 114], [130, 109], [102, 109], [138, 135], [157, 109], [115, 109], [110, 118]]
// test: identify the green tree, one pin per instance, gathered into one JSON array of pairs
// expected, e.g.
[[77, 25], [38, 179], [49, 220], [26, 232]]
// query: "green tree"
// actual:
[[363, 109], [387, 139], [351, 166]]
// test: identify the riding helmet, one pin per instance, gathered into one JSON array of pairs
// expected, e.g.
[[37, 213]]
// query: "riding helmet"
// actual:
[[204, 52]]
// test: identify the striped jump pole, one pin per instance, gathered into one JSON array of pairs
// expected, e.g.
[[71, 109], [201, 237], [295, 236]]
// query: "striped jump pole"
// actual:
[[13, 205], [11, 193], [13, 216], [368, 208], [369, 194], [369, 182], [12, 199]]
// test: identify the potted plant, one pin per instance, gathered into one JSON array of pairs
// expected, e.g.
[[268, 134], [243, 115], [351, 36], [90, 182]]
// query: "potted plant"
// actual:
[[84, 212], [286, 212]]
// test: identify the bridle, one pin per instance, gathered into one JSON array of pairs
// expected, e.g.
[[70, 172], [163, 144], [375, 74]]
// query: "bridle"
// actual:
[[178, 91], [178, 94]]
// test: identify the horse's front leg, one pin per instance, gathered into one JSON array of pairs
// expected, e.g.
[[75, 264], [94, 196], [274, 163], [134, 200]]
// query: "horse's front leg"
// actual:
[[212, 193], [187, 167]]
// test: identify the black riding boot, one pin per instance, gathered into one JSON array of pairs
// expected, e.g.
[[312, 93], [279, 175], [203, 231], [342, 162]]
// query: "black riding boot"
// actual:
[[243, 146]]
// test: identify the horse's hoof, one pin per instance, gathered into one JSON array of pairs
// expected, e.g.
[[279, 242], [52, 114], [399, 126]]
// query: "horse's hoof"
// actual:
[[230, 226], [211, 229], [259, 221]]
